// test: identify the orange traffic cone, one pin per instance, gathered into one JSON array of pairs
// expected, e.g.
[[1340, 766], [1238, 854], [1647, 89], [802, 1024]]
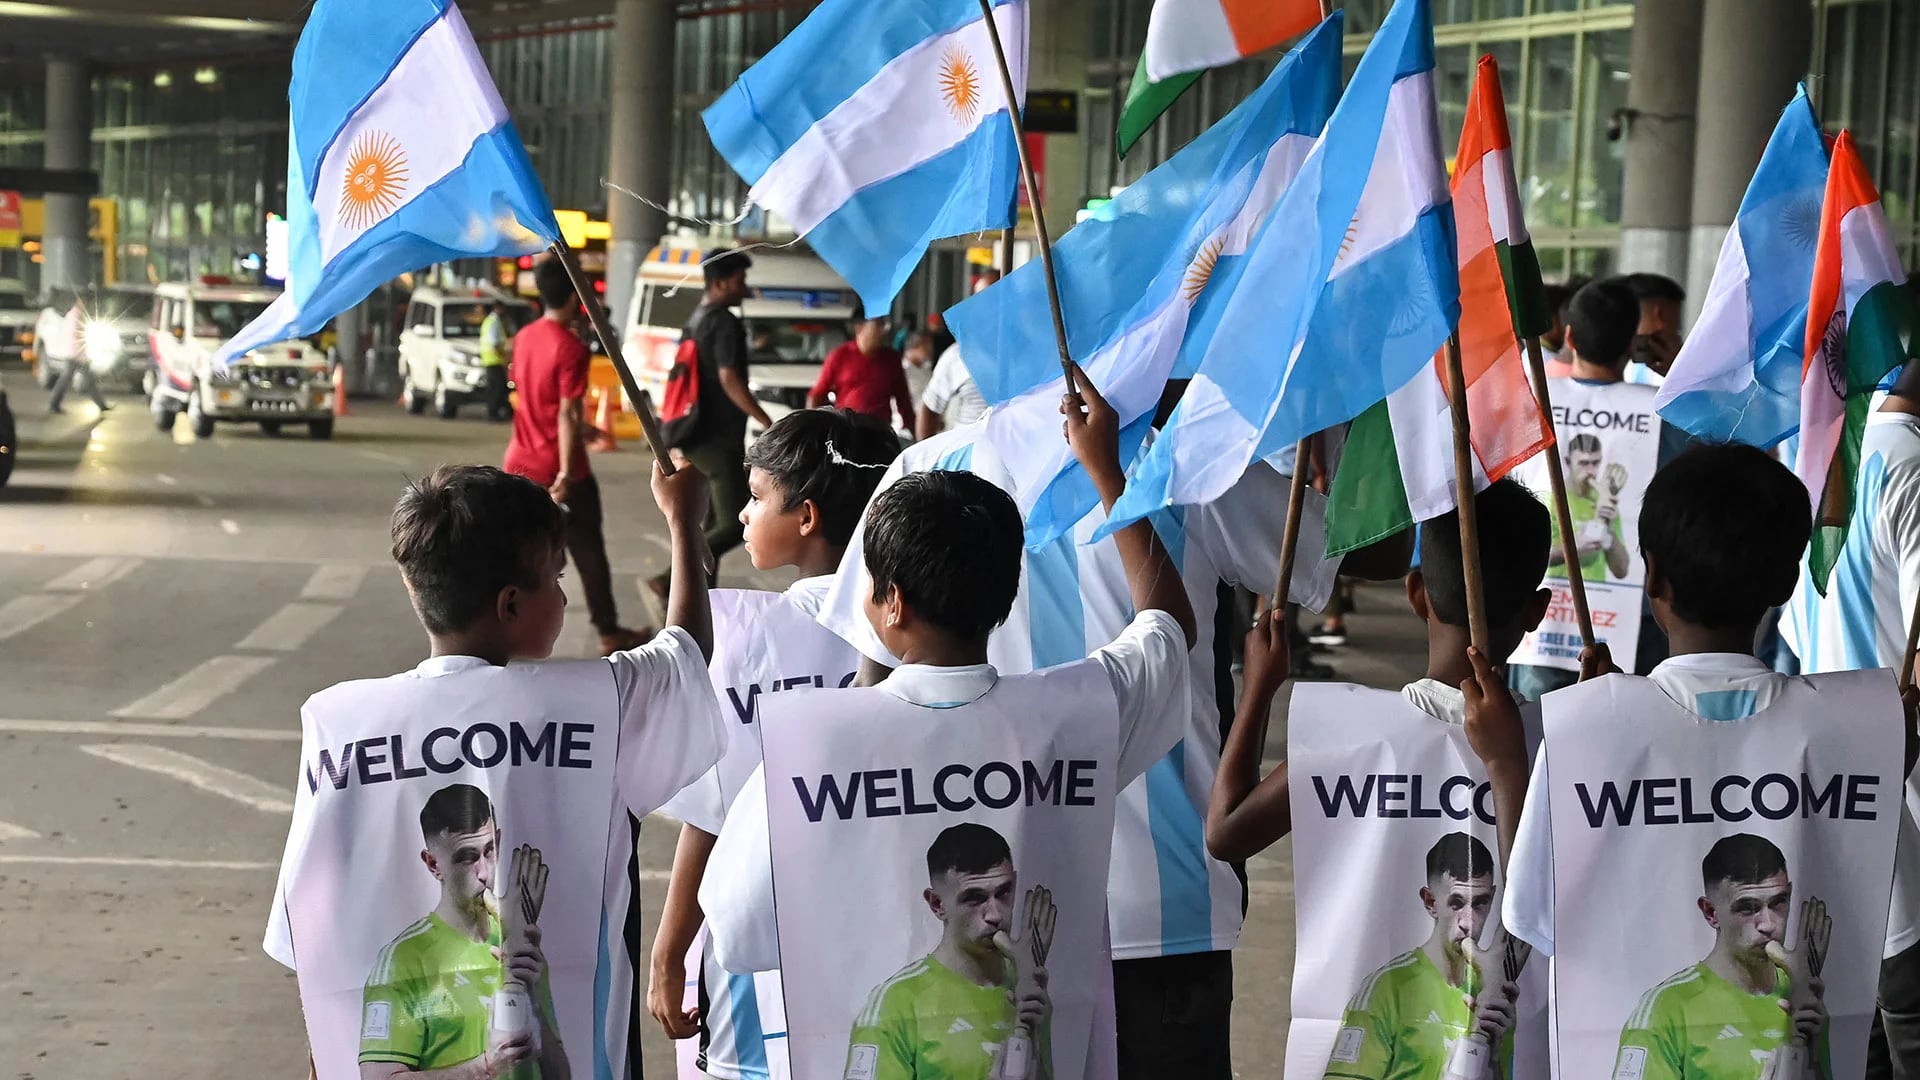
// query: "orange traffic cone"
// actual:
[[339, 390], [602, 438]]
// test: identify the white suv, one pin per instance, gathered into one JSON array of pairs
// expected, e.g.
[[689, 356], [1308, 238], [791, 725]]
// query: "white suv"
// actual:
[[16, 315], [440, 347], [286, 382]]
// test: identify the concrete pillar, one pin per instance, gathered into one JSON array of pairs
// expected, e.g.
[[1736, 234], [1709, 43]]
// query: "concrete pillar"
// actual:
[[1752, 53], [68, 146], [1656, 195], [640, 140]]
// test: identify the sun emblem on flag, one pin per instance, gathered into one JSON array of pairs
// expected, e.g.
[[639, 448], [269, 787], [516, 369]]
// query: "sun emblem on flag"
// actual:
[[960, 85], [1201, 272], [376, 177]]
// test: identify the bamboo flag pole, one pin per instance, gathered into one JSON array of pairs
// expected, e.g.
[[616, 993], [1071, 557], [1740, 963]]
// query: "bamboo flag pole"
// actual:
[[1562, 514], [1297, 493], [1033, 195], [1463, 487], [642, 403]]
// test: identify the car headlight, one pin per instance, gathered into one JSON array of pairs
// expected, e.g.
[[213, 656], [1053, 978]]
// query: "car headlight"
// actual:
[[102, 343]]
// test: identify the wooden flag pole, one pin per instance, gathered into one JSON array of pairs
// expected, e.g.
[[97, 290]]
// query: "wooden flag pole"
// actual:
[[642, 402], [1006, 252], [1290, 539], [1463, 486], [1033, 195], [1557, 480]]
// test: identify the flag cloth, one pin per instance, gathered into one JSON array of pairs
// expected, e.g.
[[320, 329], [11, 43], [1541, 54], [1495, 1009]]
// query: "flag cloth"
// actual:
[[1137, 283], [1190, 35], [876, 129], [1857, 315], [1146, 100], [1344, 295], [399, 155], [1737, 378], [1398, 464]]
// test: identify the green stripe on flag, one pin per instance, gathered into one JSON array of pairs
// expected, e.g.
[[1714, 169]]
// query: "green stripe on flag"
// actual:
[[1368, 501], [1876, 326], [1526, 295], [1146, 100]]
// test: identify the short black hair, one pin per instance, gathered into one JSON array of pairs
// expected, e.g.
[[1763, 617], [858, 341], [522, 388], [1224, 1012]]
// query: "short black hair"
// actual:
[[1515, 536], [1656, 287], [466, 532], [835, 457], [951, 543], [1741, 859], [1560, 293], [456, 808], [1725, 527], [723, 263], [967, 848], [1459, 856], [1603, 317], [554, 286]]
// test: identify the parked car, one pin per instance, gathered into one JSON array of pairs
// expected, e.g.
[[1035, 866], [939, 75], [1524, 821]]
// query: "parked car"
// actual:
[[16, 315], [440, 347], [286, 382], [109, 334]]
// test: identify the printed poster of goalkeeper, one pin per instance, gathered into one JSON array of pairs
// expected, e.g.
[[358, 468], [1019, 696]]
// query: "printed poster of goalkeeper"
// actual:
[[940, 887], [1609, 447]]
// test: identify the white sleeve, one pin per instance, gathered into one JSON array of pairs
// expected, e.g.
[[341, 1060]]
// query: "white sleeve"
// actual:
[[1900, 523], [843, 610], [1243, 528], [737, 892], [1526, 906], [948, 376], [1147, 665], [701, 804], [278, 942], [671, 730]]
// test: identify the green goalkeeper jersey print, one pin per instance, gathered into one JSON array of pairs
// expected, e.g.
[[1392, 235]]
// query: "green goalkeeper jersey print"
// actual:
[[1403, 1022], [1699, 1026], [929, 1022], [427, 999]]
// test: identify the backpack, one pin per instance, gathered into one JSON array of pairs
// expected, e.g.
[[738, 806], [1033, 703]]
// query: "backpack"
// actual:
[[680, 401]]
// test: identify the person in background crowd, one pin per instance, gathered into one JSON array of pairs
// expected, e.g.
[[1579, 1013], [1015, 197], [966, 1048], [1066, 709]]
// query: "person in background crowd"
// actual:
[[496, 346], [78, 366], [715, 438], [951, 399], [1657, 341], [864, 375], [549, 445], [937, 326], [764, 350], [1553, 343], [918, 360]]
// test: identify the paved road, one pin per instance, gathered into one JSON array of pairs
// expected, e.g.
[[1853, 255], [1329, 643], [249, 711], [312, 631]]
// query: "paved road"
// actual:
[[165, 606]]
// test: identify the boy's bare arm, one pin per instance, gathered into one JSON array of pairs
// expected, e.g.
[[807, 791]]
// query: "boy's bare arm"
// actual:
[[1247, 814], [1497, 738], [1152, 578], [682, 497], [680, 920]]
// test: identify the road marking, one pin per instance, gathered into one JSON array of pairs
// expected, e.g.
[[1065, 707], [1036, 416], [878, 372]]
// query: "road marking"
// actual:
[[145, 731], [205, 775], [10, 831], [93, 574], [381, 456], [204, 500], [26, 612], [231, 526], [197, 689], [289, 628], [334, 581], [167, 480], [131, 862]]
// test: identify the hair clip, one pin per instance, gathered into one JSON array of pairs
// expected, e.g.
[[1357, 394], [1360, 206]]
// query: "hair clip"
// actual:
[[837, 458]]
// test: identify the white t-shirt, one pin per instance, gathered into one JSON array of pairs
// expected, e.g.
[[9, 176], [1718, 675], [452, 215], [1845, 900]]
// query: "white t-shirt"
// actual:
[[1144, 664], [1713, 686], [1167, 896], [350, 866], [951, 391]]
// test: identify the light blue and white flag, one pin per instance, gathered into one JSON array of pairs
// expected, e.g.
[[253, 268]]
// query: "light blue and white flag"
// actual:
[[1141, 284], [400, 155], [876, 129], [1347, 290], [1737, 378]]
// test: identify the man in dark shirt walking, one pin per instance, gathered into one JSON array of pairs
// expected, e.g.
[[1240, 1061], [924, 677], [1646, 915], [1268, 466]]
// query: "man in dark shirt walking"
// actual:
[[549, 443]]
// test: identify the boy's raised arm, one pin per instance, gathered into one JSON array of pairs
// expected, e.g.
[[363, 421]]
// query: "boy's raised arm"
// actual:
[[1152, 578], [1247, 814], [682, 497]]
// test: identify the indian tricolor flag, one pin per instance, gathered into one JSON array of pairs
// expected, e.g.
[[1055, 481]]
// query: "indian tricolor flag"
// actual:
[[1189, 35], [1398, 465], [1856, 312]]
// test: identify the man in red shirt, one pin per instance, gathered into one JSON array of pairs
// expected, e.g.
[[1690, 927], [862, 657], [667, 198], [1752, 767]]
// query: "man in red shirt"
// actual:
[[549, 442], [865, 376]]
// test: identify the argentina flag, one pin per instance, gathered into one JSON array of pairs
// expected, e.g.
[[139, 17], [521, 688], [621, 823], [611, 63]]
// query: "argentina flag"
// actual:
[[876, 129], [400, 155]]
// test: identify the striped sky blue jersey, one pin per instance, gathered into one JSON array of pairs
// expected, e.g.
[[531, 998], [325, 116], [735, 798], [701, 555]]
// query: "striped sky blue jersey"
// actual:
[[1166, 896]]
